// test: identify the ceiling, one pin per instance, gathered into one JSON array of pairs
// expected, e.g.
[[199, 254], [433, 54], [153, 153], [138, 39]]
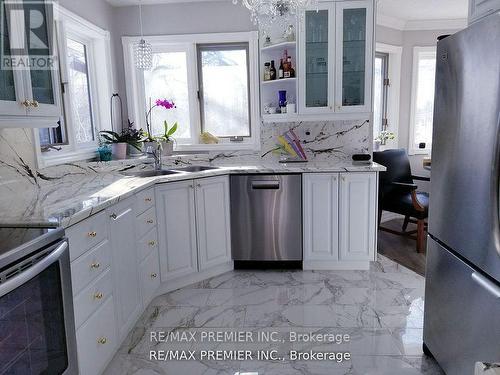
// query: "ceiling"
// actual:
[[414, 14]]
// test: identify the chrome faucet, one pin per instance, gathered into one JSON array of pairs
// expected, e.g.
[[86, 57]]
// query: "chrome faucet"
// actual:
[[156, 155]]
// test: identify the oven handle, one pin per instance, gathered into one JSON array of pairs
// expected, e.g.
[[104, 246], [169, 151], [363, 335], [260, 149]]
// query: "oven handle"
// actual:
[[31, 272]]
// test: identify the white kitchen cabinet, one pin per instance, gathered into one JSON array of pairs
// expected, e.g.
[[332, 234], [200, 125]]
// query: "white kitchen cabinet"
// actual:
[[212, 219], [150, 277], [175, 208], [481, 8], [321, 225], [354, 55], [336, 59], [357, 216], [29, 97], [125, 267], [316, 59]]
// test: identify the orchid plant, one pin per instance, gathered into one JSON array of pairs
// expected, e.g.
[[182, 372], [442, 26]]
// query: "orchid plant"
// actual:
[[165, 103]]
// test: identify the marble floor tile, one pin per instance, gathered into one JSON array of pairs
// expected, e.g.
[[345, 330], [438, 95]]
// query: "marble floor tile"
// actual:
[[380, 311]]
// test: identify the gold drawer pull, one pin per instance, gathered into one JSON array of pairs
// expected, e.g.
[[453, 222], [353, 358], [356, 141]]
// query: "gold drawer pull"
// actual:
[[102, 340], [150, 221], [95, 265], [35, 104], [154, 275], [148, 199], [92, 234], [152, 243], [98, 295]]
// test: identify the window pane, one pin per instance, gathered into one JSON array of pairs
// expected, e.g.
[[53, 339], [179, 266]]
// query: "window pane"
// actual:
[[224, 78], [378, 96], [424, 106], [168, 79], [354, 48], [79, 92]]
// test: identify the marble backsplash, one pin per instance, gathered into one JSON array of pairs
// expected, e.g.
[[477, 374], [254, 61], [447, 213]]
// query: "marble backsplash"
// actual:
[[333, 141]]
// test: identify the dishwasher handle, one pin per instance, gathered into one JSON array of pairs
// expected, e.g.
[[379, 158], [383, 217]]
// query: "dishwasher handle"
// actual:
[[265, 185]]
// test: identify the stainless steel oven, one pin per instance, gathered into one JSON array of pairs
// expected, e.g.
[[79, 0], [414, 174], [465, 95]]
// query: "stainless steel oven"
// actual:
[[37, 332]]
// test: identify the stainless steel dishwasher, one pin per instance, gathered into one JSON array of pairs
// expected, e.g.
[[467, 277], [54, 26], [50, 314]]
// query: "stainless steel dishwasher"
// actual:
[[266, 217]]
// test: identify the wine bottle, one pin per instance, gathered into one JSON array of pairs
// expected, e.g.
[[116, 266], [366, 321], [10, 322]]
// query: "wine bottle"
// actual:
[[272, 71], [280, 69]]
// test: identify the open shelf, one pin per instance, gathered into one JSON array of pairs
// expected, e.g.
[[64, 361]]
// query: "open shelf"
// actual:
[[280, 117], [282, 80], [282, 45]]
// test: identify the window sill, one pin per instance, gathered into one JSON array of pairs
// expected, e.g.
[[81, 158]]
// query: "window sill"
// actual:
[[419, 151], [233, 146], [52, 158]]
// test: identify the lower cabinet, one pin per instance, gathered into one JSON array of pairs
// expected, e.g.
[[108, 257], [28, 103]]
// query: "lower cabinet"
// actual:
[[150, 276], [193, 225], [125, 268], [339, 220], [176, 229], [212, 221]]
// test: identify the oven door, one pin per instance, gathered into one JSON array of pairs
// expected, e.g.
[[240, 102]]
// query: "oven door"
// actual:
[[37, 329]]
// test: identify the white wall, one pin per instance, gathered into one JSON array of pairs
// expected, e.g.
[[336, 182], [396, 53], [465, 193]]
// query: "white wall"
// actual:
[[408, 40]]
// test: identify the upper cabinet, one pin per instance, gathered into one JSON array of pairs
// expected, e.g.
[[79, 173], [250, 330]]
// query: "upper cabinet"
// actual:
[[29, 96], [335, 43], [481, 8], [354, 56]]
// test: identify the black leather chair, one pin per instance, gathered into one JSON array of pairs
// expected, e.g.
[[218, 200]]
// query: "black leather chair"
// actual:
[[398, 193]]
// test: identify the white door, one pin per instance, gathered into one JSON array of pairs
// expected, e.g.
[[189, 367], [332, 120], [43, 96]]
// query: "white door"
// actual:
[[357, 218], [354, 56], [316, 59], [125, 268], [320, 204], [212, 219], [176, 229]]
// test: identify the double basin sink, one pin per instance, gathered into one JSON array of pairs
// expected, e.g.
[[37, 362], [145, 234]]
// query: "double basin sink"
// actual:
[[165, 172]]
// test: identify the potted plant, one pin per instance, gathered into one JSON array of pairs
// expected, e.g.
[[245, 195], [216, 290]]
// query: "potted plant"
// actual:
[[134, 138], [166, 140], [382, 138], [117, 141], [150, 139]]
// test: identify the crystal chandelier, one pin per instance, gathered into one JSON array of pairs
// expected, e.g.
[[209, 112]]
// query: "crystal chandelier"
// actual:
[[265, 13], [143, 51]]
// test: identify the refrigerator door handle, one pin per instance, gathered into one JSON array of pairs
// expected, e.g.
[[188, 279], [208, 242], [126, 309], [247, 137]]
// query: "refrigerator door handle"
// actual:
[[486, 284]]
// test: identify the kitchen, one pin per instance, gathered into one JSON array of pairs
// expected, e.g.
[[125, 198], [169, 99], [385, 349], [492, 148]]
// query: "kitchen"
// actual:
[[241, 195]]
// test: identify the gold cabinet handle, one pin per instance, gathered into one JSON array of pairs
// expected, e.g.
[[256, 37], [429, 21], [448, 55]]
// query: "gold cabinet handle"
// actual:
[[198, 185], [98, 295], [152, 243], [191, 186], [150, 221], [25, 103], [102, 340], [95, 265], [113, 216], [92, 234], [147, 199], [35, 104], [154, 275]]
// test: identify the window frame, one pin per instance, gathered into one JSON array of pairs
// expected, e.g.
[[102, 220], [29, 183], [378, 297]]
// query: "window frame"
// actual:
[[135, 85], [385, 91], [418, 52], [98, 53]]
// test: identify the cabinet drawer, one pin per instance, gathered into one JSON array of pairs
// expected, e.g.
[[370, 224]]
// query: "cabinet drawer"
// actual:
[[93, 296], [146, 221], [89, 266], [147, 244], [150, 276], [86, 234], [97, 340], [144, 200]]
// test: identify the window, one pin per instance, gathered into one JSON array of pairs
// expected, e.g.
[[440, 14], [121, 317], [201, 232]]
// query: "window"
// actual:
[[424, 72], [381, 86], [224, 96], [213, 82], [85, 91]]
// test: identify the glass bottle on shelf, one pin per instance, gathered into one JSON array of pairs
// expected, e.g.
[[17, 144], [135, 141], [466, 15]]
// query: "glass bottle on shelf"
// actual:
[[272, 71], [267, 71], [281, 70]]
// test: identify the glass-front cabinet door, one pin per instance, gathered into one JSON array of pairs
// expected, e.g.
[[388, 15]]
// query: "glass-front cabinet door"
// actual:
[[316, 59], [354, 34], [11, 81]]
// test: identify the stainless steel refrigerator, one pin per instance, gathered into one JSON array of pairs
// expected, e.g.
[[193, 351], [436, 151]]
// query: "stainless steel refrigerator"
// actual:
[[462, 293]]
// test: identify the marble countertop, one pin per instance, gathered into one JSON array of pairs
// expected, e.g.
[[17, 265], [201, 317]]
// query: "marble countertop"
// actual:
[[67, 194]]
